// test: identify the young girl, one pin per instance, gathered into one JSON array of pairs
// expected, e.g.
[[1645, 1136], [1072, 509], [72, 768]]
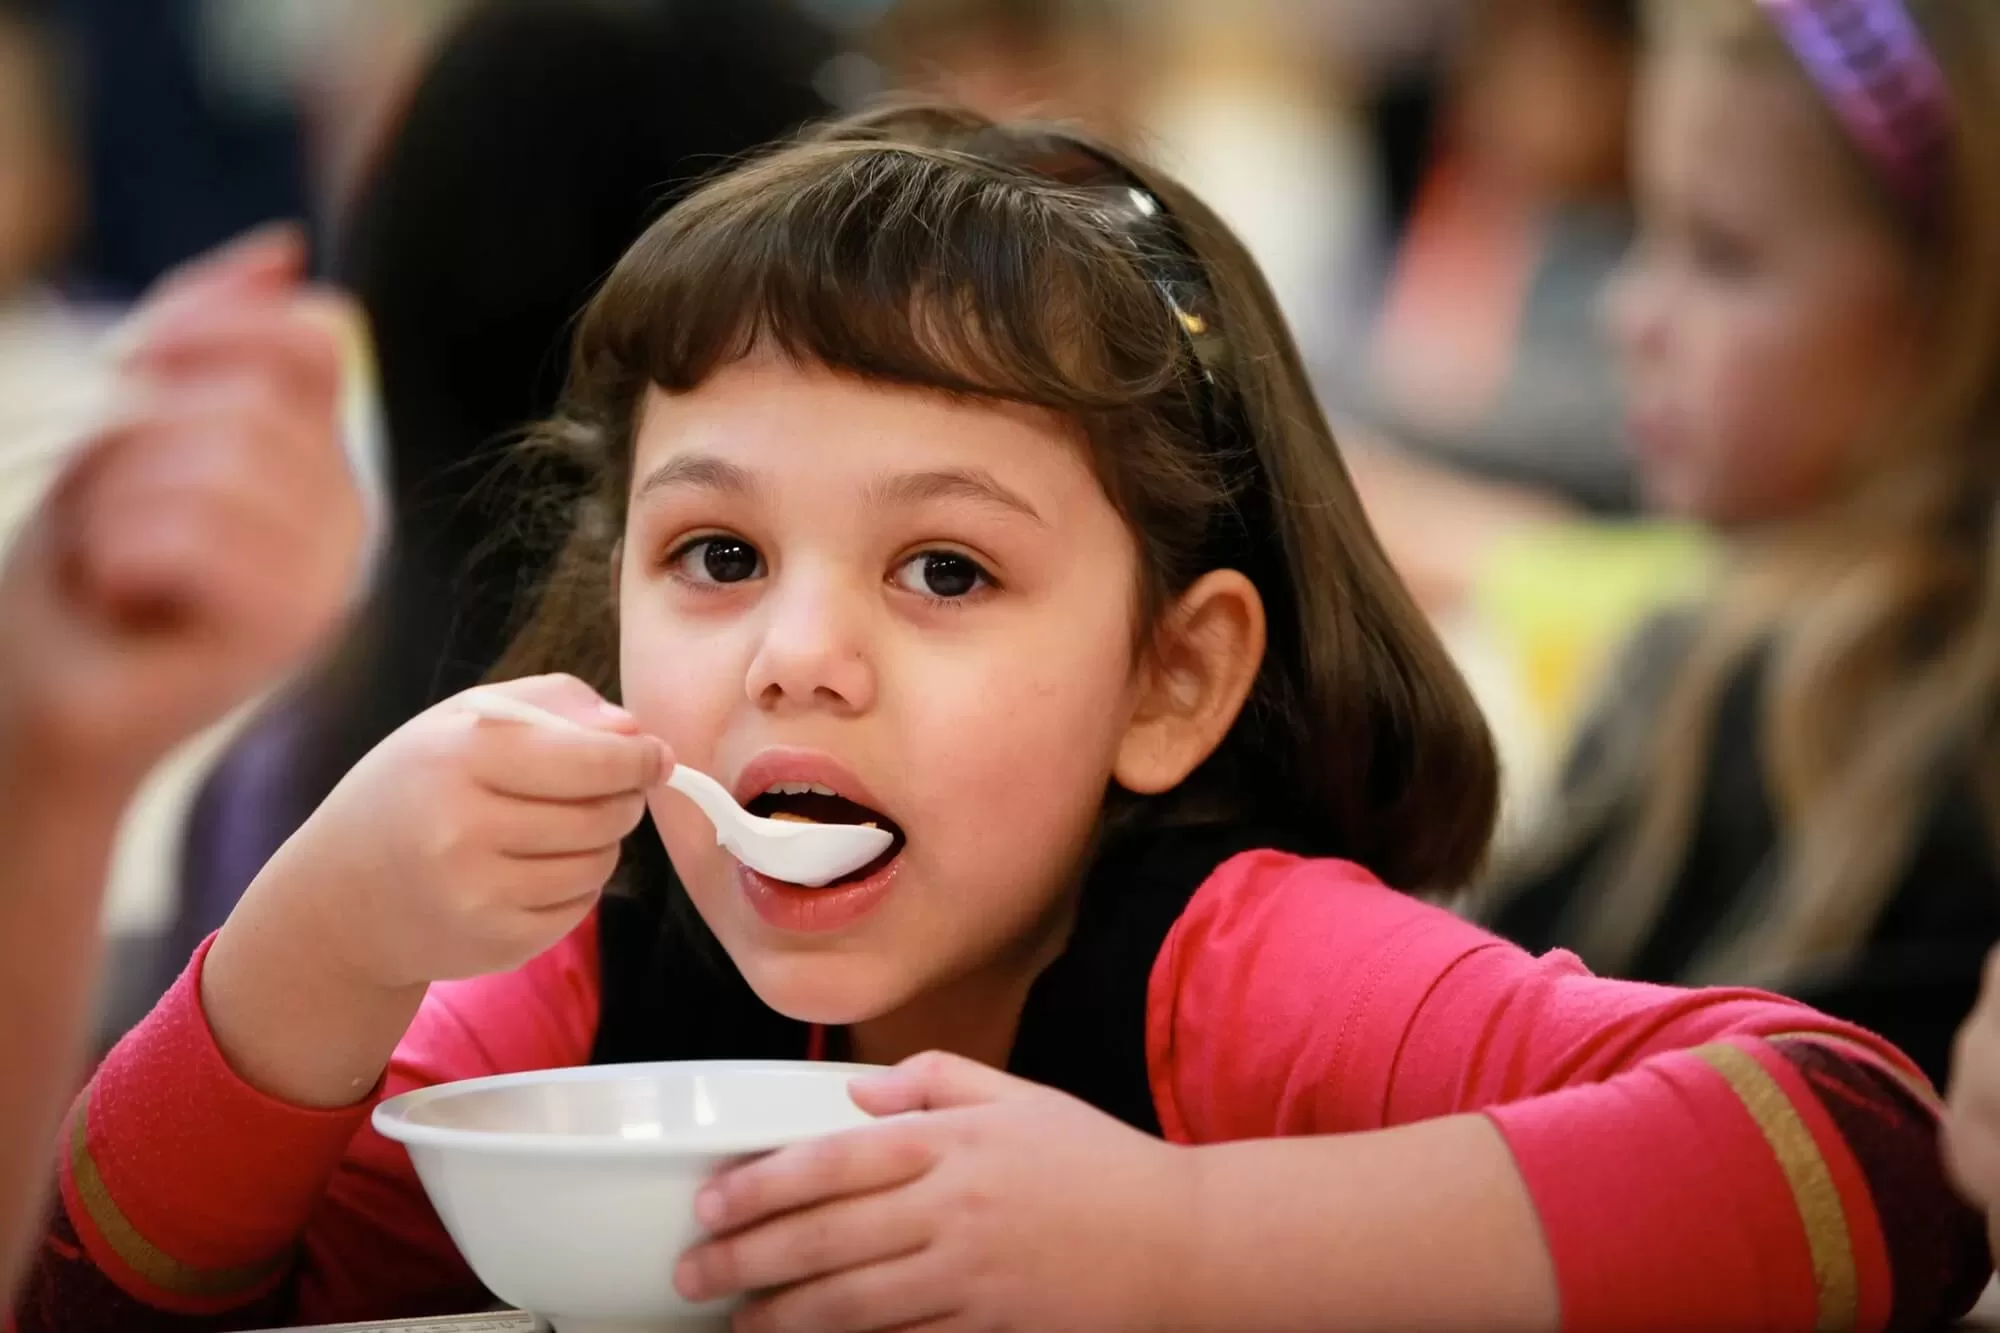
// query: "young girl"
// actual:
[[963, 480], [1797, 788], [1483, 357]]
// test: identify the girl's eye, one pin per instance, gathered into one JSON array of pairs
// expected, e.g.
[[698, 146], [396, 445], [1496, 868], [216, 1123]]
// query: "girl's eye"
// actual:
[[714, 560], [942, 575], [1721, 253]]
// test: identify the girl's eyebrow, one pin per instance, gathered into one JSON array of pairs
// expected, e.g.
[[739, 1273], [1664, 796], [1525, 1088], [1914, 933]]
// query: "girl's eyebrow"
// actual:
[[708, 473], [972, 484], [702, 472]]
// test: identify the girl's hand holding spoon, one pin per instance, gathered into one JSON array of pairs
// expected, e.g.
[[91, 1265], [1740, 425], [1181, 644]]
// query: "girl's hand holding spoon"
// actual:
[[461, 845]]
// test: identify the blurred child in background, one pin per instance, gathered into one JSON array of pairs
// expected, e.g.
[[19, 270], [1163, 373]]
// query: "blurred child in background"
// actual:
[[1484, 356], [39, 187], [1798, 787], [1068, 60], [44, 345]]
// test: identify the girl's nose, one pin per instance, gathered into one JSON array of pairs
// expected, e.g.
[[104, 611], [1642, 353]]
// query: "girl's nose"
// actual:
[[1630, 310], [813, 653]]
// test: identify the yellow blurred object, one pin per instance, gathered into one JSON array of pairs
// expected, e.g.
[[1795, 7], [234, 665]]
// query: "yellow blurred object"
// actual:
[[1559, 599]]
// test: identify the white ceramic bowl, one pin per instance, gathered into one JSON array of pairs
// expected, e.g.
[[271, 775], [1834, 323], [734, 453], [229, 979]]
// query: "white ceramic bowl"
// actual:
[[571, 1191]]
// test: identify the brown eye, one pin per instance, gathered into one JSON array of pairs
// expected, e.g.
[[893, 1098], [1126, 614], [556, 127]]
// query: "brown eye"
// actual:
[[942, 575], [718, 560]]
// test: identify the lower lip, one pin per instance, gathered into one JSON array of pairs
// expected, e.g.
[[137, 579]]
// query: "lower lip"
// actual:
[[802, 911]]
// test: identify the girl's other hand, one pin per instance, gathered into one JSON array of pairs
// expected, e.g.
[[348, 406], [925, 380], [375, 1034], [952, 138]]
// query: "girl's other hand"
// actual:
[[1005, 1206], [202, 544], [1972, 1126], [462, 845]]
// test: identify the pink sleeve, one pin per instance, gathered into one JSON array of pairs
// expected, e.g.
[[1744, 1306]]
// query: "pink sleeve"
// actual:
[[375, 1247], [185, 1190], [1698, 1159]]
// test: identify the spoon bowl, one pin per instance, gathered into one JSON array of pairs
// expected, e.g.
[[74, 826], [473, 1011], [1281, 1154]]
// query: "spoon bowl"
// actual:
[[812, 855]]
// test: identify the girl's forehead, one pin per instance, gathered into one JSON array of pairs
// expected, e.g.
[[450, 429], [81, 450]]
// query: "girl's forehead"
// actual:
[[1721, 132], [769, 414]]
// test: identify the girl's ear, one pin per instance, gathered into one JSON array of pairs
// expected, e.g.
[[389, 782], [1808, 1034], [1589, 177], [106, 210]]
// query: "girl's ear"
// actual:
[[617, 571], [1193, 683]]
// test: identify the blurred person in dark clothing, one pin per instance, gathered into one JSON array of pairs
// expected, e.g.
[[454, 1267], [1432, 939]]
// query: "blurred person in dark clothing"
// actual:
[[1798, 785], [542, 139], [1483, 354], [40, 193], [176, 161]]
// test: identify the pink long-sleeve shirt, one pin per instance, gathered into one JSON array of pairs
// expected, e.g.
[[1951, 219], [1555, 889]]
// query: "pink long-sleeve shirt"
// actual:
[[1698, 1159]]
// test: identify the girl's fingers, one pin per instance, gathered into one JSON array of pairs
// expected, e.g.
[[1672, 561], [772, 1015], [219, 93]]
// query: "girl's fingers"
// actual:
[[539, 763], [903, 1294], [863, 1161], [533, 892], [566, 696], [815, 1242], [936, 1081], [537, 830]]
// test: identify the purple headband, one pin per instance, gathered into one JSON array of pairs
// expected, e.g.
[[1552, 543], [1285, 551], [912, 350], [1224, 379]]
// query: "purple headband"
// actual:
[[1879, 76]]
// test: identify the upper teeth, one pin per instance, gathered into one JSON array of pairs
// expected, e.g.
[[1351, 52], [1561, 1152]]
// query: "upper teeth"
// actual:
[[799, 789]]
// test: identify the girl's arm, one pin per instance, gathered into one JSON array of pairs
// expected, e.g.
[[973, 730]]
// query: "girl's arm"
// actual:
[[1693, 1159], [190, 1200], [196, 1157], [1422, 1226]]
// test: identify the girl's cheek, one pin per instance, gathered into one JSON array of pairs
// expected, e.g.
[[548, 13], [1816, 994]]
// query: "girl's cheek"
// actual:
[[677, 688]]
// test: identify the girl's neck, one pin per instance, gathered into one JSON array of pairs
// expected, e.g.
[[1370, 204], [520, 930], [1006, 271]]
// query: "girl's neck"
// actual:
[[975, 1015]]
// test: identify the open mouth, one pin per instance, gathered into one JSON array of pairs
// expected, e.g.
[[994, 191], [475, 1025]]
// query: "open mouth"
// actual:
[[811, 803]]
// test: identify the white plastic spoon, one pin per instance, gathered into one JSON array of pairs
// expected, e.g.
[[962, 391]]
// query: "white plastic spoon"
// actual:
[[810, 854]]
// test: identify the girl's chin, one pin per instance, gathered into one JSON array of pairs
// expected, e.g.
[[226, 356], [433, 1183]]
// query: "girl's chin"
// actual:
[[833, 990]]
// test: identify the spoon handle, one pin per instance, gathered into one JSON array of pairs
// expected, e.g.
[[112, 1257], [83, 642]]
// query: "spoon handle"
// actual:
[[506, 708], [711, 796]]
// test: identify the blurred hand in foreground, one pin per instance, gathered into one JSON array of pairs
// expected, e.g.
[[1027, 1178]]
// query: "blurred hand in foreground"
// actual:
[[204, 543]]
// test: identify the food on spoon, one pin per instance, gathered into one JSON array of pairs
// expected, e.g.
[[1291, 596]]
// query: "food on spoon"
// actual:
[[788, 817]]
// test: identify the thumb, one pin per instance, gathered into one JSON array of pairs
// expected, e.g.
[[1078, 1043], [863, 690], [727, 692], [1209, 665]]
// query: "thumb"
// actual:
[[265, 263], [935, 1082]]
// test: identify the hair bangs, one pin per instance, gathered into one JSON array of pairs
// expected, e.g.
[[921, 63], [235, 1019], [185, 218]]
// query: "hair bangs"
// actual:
[[901, 263]]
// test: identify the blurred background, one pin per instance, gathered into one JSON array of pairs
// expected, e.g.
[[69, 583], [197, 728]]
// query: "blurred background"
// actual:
[[1438, 190]]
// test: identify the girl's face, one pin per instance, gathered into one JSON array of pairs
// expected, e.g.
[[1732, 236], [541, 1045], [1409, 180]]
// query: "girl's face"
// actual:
[[1767, 323], [923, 606]]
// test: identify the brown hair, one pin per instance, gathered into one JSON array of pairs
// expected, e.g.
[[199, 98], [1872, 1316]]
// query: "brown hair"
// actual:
[[899, 246], [1880, 614]]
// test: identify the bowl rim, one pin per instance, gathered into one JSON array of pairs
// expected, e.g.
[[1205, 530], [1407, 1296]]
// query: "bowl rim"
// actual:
[[391, 1117]]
